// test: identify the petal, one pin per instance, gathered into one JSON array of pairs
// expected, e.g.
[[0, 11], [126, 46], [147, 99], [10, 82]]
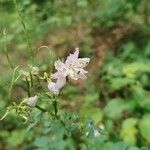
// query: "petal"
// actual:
[[60, 74], [82, 76], [73, 74], [60, 82], [72, 58], [55, 75], [52, 86], [83, 62], [59, 65]]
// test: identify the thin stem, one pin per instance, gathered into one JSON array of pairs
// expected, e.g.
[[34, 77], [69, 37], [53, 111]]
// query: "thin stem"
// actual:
[[41, 109], [6, 50], [31, 79], [30, 50], [12, 83], [38, 80], [55, 108], [28, 87], [146, 11]]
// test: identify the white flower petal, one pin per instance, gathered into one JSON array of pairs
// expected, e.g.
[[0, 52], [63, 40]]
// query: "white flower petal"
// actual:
[[59, 65], [52, 86], [82, 75], [83, 62], [60, 82], [55, 75], [72, 58]]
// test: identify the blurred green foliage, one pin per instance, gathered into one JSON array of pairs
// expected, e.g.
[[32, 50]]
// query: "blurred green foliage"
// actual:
[[116, 95]]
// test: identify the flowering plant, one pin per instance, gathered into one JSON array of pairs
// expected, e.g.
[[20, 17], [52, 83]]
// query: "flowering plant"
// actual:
[[72, 68]]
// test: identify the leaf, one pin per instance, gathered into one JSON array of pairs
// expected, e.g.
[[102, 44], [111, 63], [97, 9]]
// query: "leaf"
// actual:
[[123, 146], [118, 83], [42, 142], [91, 111], [116, 107], [17, 137], [129, 130], [91, 97], [134, 69], [144, 126]]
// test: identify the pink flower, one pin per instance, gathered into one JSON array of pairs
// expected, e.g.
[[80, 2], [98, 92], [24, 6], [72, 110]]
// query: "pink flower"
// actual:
[[72, 68]]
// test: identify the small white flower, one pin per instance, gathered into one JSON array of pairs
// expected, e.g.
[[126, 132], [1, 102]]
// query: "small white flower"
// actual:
[[72, 68], [31, 101]]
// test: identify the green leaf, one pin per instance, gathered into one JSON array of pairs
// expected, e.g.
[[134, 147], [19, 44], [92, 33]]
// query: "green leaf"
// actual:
[[116, 107], [129, 130], [91, 97], [144, 126], [134, 69], [91, 111], [18, 136], [118, 83], [123, 146], [42, 142]]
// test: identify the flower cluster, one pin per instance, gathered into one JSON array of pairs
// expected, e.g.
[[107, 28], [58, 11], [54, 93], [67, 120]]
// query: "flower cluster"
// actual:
[[71, 68]]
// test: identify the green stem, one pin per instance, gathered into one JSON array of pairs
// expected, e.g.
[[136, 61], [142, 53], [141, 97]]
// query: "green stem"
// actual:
[[55, 108], [30, 50], [41, 109], [6, 50], [12, 83], [28, 88], [31, 79], [38, 80]]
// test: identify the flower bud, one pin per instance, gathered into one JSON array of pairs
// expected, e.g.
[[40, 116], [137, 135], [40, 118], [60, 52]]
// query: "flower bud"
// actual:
[[35, 71], [31, 101]]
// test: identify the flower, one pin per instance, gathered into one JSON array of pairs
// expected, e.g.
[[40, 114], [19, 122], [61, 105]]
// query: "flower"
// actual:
[[31, 101], [71, 68]]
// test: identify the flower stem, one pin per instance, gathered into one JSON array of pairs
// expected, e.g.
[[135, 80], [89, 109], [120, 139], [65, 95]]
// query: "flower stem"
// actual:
[[40, 108], [12, 83], [30, 50], [55, 108], [44, 110], [6, 50], [28, 87]]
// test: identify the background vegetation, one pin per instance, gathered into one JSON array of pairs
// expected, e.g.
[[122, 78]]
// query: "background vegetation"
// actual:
[[115, 34]]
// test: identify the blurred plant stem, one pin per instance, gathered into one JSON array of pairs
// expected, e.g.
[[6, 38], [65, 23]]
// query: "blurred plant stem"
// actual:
[[6, 49], [40, 108], [146, 12], [28, 87], [12, 82], [55, 108], [30, 50]]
